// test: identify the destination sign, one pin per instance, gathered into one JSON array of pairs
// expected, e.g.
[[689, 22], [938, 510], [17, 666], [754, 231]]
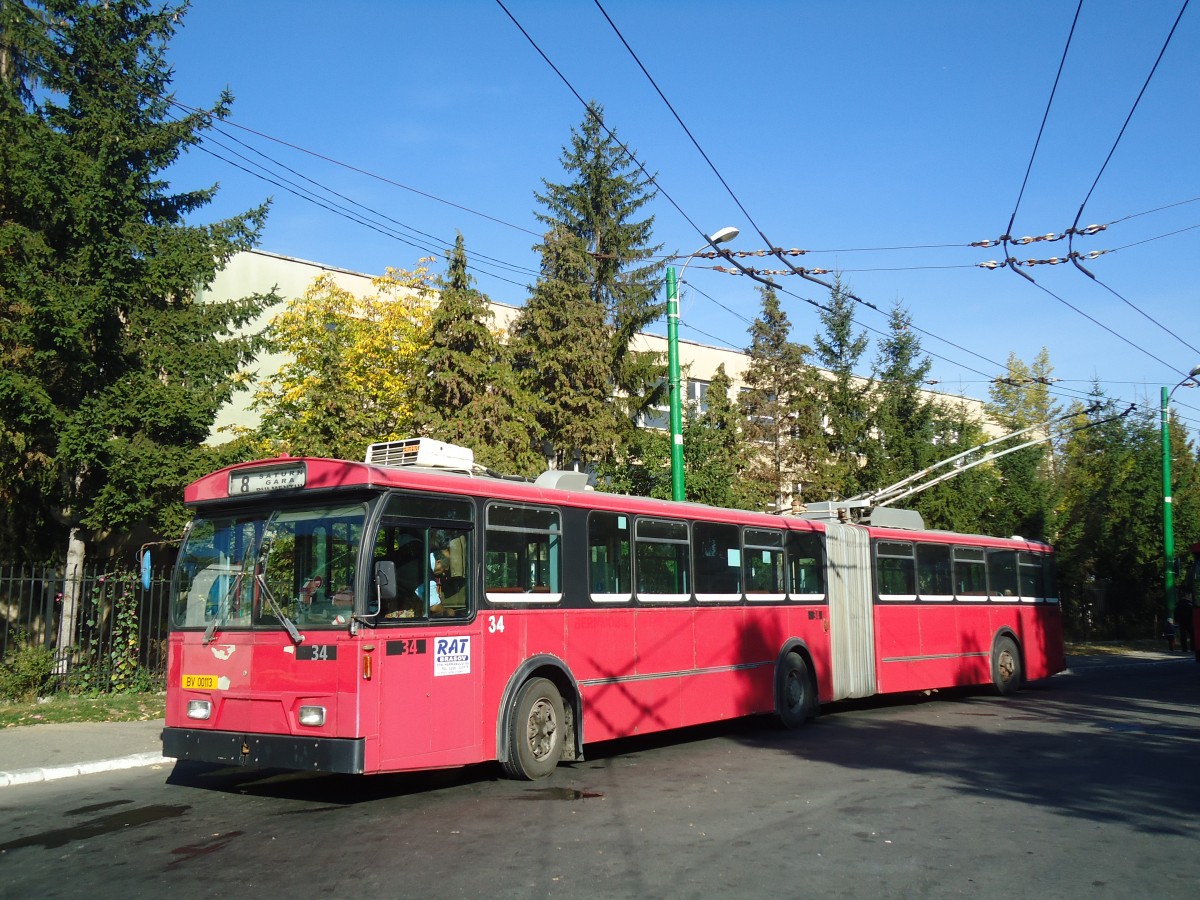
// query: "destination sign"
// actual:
[[259, 481]]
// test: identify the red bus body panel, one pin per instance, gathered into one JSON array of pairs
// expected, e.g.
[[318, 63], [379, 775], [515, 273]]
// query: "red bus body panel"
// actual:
[[432, 695]]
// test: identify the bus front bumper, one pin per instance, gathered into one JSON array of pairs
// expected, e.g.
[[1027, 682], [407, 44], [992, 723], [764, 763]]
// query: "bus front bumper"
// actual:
[[267, 751]]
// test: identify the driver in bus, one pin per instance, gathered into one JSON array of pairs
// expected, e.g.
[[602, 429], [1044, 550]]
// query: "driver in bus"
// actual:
[[448, 584], [407, 556]]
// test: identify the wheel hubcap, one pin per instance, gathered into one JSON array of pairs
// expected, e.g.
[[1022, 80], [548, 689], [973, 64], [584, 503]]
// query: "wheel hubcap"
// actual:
[[1006, 665], [794, 691], [542, 729]]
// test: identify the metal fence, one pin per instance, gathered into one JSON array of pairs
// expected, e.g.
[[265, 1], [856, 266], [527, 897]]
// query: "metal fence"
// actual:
[[119, 641]]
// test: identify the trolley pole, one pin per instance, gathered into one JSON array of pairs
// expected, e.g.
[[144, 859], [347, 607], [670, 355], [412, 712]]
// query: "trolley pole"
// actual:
[[1168, 509], [673, 387], [1168, 515]]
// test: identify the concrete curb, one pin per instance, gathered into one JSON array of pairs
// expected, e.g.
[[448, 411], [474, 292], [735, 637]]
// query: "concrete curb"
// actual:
[[53, 773]]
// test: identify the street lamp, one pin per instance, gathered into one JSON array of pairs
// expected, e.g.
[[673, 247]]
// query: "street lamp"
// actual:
[[725, 234], [1168, 514]]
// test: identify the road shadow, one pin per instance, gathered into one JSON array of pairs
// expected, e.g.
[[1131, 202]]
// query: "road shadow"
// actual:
[[1117, 744], [325, 789]]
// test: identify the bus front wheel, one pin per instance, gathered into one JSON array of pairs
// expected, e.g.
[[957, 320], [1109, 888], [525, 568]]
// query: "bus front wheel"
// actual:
[[794, 690], [535, 731], [1006, 666]]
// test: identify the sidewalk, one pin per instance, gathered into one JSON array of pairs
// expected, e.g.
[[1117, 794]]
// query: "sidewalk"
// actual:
[[1077, 662], [31, 753]]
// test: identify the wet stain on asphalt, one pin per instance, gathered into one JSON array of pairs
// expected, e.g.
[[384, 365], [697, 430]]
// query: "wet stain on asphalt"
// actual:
[[194, 851], [131, 818], [96, 807], [559, 793]]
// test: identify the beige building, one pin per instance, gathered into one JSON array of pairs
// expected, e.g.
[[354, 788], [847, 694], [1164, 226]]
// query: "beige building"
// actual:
[[256, 271]]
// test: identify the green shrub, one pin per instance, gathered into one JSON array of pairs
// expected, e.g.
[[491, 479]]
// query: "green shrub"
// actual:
[[27, 668]]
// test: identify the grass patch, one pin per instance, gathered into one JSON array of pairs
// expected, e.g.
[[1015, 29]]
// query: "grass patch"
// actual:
[[68, 708]]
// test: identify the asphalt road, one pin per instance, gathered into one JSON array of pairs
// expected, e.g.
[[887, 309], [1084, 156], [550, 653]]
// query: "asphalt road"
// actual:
[[1085, 785]]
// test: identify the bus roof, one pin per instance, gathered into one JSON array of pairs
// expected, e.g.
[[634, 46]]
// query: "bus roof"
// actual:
[[290, 477]]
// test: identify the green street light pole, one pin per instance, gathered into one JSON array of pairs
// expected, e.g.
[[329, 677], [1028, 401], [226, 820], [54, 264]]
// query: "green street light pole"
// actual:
[[1168, 513], [673, 387]]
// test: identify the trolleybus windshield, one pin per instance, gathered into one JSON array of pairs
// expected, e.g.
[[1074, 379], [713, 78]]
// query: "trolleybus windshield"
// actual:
[[272, 568]]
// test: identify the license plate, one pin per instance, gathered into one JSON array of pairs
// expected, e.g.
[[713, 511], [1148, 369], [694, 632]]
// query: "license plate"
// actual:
[[200, 682]]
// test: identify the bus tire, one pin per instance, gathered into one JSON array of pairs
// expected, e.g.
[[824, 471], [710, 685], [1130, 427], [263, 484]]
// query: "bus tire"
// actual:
[[1006, 667], [794, 691], [535, 731]]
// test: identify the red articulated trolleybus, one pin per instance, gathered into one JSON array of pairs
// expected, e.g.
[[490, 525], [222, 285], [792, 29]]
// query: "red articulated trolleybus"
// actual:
[[409, 612]]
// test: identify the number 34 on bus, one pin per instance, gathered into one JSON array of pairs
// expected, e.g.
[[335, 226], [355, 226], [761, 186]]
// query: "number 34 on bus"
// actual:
[[414, 611]]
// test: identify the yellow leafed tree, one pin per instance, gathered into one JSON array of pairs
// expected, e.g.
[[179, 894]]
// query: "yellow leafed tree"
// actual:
[[351, 366]]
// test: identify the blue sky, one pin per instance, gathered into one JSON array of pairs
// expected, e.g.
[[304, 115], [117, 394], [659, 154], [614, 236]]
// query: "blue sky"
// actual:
[[841, 128]]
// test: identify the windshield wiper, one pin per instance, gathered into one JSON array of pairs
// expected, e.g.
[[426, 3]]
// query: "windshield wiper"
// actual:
[[292, 630], [219, 622]]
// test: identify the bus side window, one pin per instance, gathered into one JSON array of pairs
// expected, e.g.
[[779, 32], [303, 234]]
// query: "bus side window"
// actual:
[[522, 554], [662, 560], [895, 570], [610, 562], [806, 562]]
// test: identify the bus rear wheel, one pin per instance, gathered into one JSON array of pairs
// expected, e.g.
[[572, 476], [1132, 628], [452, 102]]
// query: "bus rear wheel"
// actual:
[[1006, 667], [535, 731], [796, 697]]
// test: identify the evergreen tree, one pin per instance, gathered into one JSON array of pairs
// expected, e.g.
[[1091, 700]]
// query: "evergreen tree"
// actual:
[[600, 206], [966, 502], [22, 36], [844, 398], [779, 417], [110, 373], [1110, 523], [1025, 502], [1185, 491], [469, 394], [904, 414], [560, 349], [716, 459]]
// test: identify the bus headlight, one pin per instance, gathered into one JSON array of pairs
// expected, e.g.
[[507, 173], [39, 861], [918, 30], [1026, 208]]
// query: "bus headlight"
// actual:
[[312, 715], [199, 709]]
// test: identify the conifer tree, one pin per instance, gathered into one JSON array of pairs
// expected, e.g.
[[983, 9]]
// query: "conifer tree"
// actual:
[[600, 205], [22, 36], [469, 394], [1109, 539], [716, 458], [844, 398], [560, 345], [779, 417], [111, 373], [902, 442], [966, 502], [1021, 399]]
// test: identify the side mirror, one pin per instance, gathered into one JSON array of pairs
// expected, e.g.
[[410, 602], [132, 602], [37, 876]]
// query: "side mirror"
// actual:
[[385, 584]]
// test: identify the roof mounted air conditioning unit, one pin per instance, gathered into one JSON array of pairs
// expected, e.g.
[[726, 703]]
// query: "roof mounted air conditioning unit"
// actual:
[[421, 452]]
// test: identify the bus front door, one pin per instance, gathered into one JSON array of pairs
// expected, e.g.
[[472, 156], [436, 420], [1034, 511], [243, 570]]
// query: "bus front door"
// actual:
[[430, 697]]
